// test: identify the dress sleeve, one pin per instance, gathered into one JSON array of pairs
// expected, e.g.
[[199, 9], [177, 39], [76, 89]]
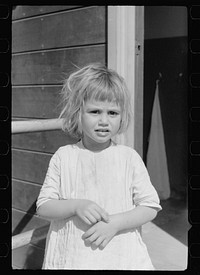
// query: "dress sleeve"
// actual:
[[51, 185], [144, 192]]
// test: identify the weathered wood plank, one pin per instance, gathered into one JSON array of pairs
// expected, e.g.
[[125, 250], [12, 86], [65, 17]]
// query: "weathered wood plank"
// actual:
[[79, 27], [29, 166], [24, 196], [48, 141], [53, 66], [22, 222], [34, 236], [35, 102], [21, 12]]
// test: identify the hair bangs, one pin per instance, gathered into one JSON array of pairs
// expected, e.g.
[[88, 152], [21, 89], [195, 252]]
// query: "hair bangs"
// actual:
[[104, 92]]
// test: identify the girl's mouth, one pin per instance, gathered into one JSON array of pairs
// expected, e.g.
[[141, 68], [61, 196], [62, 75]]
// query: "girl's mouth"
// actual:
[[102, 130]]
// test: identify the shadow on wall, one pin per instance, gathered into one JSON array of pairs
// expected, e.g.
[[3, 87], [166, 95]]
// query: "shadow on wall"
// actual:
[[25, 220], [31, 255], [34, 257]]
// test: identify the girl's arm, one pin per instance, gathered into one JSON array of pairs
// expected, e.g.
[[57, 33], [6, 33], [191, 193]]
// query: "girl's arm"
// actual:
[[88, 211], [134, 218], [101, 233]]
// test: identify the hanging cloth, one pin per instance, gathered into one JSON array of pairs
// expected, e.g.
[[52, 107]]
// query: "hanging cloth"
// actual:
[[156, 155]]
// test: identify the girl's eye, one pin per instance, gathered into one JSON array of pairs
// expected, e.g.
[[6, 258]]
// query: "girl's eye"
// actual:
[[94, 112], [112, 113]]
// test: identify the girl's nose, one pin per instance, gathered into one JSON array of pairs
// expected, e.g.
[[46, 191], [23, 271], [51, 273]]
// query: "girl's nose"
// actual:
[[103, 119]]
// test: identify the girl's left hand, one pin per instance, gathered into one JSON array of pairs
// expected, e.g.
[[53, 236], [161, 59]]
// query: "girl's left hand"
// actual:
[[100, 234]]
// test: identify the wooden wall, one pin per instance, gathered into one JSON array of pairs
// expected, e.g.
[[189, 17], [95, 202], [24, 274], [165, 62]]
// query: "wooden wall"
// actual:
[[47, 43]]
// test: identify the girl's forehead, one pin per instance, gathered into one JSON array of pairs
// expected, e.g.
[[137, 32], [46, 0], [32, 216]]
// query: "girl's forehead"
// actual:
[[101, 104]]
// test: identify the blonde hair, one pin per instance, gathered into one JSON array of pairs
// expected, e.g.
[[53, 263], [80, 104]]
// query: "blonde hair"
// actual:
[[93, 82]]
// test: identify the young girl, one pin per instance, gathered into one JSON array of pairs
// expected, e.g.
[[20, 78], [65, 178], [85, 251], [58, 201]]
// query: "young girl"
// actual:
[[96, 193]]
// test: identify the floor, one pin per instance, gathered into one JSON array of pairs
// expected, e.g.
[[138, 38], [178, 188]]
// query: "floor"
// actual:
[[166, 236]]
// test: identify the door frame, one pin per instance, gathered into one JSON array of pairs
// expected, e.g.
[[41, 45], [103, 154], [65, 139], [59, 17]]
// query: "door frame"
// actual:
[[125, 49]]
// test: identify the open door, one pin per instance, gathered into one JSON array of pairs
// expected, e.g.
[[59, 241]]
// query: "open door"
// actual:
[[165, 99]]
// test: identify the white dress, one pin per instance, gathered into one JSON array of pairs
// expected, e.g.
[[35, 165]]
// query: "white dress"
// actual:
[[117, 180]]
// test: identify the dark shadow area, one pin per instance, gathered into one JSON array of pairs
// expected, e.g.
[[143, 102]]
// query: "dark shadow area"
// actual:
[[166, 59], [35, 255], [25, 220], [174, 219]]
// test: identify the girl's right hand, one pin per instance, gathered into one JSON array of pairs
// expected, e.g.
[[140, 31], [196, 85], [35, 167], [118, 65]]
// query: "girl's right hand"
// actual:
[[90, 212]]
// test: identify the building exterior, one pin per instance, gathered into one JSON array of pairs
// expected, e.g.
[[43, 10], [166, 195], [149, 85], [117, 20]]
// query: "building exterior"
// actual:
[[48, 42]]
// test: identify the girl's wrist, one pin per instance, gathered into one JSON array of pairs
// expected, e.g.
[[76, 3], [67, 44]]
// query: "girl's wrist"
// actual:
[[115, 219], [76, 207]]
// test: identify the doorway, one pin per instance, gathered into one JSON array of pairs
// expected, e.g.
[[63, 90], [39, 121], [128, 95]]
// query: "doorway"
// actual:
[[165, 60]]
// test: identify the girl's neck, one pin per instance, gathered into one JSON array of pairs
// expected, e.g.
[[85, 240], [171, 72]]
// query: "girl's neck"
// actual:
[[94, 146]]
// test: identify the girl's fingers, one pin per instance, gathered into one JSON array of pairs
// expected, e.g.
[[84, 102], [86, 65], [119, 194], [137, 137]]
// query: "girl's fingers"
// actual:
[[91, 217], [86, 220], [103, 244], [91, 238], [96, 215], [103, 214], [95, 239], [98, 241], [88, 233]]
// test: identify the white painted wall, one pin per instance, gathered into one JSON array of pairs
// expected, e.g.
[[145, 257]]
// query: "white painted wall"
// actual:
[[165, 21]]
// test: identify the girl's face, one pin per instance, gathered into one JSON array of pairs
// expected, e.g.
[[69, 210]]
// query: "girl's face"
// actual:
[[100, 121]]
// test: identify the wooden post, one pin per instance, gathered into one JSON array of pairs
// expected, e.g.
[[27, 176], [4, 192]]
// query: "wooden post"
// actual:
[[139, 76], [122, 51]]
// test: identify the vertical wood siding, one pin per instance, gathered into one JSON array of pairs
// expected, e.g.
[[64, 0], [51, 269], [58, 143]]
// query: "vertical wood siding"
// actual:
[[47, 43]]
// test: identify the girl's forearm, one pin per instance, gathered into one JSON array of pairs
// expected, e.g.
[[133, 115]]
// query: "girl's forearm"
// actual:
[[58, 209], [87, 210], [133, 218]]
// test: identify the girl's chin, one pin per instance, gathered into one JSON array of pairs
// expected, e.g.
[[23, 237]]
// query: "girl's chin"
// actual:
[[99, 143], [102, 139]]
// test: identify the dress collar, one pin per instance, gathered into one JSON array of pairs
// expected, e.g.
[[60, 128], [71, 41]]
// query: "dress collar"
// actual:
[[81, 146]]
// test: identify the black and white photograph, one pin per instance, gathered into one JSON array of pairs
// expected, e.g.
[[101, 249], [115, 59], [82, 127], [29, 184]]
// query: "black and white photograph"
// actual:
[[100, 100]]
